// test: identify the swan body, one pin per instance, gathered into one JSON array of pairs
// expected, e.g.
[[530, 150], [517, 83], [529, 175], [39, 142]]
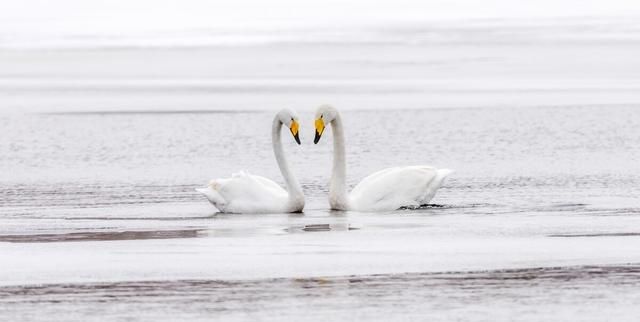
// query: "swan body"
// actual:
[[385, 190], [397, 187], [247, 193]]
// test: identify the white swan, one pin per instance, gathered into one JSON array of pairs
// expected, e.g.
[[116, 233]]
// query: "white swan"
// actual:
[[246, 193], [385, 190]]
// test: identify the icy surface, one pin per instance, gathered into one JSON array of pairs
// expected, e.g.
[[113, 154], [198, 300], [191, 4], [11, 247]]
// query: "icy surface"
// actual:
[[101, 149]]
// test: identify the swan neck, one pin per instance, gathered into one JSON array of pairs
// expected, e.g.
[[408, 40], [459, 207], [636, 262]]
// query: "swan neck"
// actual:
[[338, 190], [296, 197]]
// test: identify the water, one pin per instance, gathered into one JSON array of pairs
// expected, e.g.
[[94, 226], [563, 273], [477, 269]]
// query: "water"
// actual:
[[102, 148], [498, 295]]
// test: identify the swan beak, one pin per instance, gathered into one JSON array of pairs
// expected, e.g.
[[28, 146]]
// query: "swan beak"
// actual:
[[319, 130], [294, 130]]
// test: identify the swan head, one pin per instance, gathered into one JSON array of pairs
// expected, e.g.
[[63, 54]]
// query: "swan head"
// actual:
[[325, 114], [290, 119]]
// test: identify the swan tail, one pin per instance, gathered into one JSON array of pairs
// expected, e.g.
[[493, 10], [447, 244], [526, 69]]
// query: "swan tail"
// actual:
[[434, 185], [213, 196], [441, 174]]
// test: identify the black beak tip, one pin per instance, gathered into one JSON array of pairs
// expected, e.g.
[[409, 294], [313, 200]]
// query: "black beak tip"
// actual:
[[317, 138], [297, 137]]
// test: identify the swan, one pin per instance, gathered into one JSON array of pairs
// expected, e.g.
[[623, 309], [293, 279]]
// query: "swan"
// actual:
[[247, 193], [385, 190]]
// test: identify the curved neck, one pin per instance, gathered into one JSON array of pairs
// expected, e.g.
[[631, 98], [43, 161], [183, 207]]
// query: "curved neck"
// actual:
[[338, 198], [293, 186]]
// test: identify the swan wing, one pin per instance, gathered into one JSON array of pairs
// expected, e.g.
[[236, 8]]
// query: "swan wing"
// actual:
[[397, 187], [246, 193], [270, 184]]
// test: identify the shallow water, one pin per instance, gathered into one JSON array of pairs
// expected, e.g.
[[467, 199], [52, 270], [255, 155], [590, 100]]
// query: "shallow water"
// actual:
[[541, 220], [103, 204], [483, 295]]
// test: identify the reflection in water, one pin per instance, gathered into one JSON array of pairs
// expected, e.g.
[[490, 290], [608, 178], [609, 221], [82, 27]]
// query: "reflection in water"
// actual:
[[323, 227]]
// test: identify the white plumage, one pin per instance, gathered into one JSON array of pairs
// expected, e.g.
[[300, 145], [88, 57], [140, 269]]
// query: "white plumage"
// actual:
[[385, 190], [393, 188], [247, 193]]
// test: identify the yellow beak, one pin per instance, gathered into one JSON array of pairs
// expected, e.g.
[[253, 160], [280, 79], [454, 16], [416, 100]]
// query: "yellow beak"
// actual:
[[319, 129], [294, 130]]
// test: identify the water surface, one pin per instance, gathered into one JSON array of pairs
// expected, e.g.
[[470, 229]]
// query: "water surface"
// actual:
[[101, 150]]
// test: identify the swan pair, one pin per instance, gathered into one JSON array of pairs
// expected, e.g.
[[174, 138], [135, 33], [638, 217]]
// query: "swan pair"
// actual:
[[385, 190]]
